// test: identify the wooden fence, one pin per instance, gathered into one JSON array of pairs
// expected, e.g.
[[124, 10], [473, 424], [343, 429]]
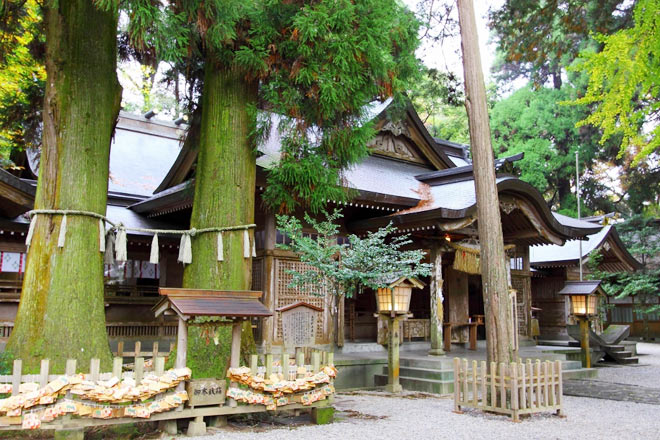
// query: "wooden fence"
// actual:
[[45, 376], [513, 389], [137, 350]]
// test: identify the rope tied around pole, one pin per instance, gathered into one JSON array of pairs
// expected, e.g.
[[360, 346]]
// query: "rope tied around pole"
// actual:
[[114, 241]]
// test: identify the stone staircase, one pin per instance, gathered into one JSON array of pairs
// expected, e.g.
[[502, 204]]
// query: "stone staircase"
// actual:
[[619, 354], [436, 375]]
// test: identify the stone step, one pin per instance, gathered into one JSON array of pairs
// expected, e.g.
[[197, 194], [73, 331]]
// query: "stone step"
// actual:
[[621, 354], [570, 365], [435, 363], [424, 373], [442, 387], [614, 347], [628, 360]]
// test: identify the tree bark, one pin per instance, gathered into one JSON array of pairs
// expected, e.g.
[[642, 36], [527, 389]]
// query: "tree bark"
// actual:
[[497, 303], [61, 313], [224, 196]]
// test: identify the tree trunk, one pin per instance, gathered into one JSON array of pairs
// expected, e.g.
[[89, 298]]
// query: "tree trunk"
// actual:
[[497, 304], [224, 196], [61, 313]]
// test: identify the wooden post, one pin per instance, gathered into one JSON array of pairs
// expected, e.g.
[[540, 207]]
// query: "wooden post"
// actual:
[[484, 393], [501, 342], [523, 390], [269, 364], [300, 361], [138, 350], [94, 369], [393, 385], [514, 391], [447, 336], [159, 365], [475, 395], [17, 374], [584, 342], [120, 349], [254, 364], [139, 370], [560, 388], [458, 297], [181, 352], [493, 390], [235, 358], [116, 367], [457, 389], [437, 297], [43, 373], [154, 351], [473, 336], [316, 361], [502, 377]]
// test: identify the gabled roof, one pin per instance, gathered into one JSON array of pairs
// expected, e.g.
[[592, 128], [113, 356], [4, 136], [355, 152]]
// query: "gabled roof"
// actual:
[[588, 287], [427, 146], [456, 200], [141, 154], [16, 195], [615, 255], [190, 303]]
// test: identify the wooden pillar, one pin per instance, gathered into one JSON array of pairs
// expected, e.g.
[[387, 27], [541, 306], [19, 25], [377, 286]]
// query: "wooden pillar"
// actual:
[[268, 280], [181, 349], [458, 298], [435, 326], [393, 385], [340, 323], [584, 342], [234, 360]]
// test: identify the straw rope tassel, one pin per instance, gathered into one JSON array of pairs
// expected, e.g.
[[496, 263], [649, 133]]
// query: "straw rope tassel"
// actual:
[[246, 244], [221, 255], [33, 223], [120, 245], [153, 256], [62, 237], [101, 236], [109, 248], [254, 248], [185, 249]]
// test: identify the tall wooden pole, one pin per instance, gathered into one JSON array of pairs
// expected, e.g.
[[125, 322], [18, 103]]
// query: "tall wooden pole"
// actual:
[[497, 304]]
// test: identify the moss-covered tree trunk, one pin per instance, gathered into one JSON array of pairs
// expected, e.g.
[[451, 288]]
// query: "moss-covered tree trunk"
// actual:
[[61, 313], [224, 196]]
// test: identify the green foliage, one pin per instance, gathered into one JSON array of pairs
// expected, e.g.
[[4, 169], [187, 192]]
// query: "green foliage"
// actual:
[[22, 77], [641, 236], [6, 362], [624, 83], [532, 122], [318, 63], [345, 269], [537, 39]]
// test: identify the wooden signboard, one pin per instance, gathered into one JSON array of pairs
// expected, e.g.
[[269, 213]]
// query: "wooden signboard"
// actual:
[[206, 392], [299, 324]]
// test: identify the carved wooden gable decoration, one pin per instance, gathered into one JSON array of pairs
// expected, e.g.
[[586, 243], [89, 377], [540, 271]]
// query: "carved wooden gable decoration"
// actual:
[[394, 140], [408, 140]]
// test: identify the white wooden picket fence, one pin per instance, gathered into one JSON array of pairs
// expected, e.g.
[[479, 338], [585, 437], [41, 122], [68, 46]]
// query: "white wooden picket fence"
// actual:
[[17, 377], [512, 389]]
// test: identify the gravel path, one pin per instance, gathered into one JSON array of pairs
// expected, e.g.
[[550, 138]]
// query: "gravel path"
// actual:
[[645, 374], [375, 415]]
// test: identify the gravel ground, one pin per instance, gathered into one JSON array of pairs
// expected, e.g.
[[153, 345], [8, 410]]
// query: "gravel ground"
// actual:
[[645, 374], [378, 415], [418, 416]]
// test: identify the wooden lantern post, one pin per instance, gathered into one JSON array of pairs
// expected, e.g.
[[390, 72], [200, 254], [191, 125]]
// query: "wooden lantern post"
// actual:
[[583, 296], [393, 303]]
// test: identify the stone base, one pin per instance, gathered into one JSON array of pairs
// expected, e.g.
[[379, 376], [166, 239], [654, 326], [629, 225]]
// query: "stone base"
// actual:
[[436, 352], [323, 416], [168, 427], [393, 388], [196, 427], [70, 434]]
